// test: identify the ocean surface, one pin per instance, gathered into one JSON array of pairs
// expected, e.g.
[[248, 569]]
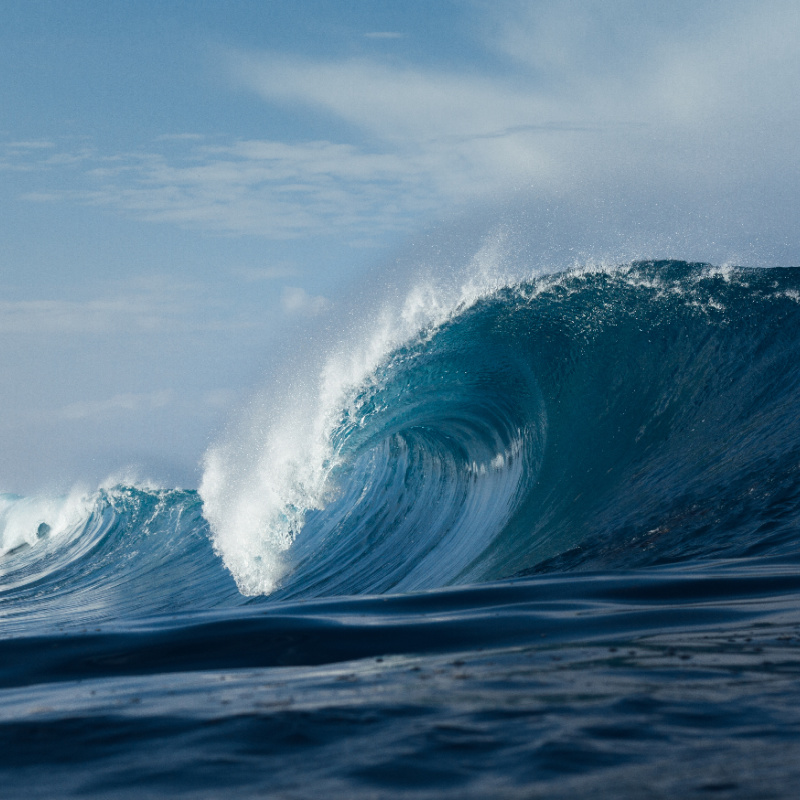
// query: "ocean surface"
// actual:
[[520, 539]]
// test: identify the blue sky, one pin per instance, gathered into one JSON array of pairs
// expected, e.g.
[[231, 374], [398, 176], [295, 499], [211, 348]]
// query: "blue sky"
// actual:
[[185, 186]]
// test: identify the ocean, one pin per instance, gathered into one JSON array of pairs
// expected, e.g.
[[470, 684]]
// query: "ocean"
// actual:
[[527, 538]]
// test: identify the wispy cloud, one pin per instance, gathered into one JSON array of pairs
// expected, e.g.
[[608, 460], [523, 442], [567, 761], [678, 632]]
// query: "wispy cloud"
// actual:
[[35, 144], [270, 273], [180, 137], [120, 404], [398, 104], [384, 35], [587, 99], [295, 300], [145, 305], [64, 316], [39, 155], [268, 188], [219, 398]]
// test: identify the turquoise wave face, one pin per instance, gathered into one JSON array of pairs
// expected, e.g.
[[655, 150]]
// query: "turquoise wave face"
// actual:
[[587, 420]]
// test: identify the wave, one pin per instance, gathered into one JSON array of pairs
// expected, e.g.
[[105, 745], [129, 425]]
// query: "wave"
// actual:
[[598, 418], [118, 552], [595, 419]]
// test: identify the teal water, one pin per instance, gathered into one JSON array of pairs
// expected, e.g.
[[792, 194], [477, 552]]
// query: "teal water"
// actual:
[[545, 544]]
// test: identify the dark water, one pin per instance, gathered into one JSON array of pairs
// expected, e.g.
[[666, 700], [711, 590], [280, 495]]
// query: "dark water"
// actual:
[[546, 546]]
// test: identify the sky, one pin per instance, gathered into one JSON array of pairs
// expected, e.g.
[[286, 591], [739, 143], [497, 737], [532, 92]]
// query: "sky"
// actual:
[[187, 187]]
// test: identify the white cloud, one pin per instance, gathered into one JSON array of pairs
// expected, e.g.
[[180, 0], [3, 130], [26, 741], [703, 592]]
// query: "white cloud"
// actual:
[[35, 144], [39, 155], [398, 104], [261, 187], [64, 316], [593, 97], [180, 137], [143, 305], [297, 301], [219, 398], [271, 273], [384, 35], [120, 404]]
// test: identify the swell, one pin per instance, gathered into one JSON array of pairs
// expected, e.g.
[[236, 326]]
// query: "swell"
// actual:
[[603, 418]]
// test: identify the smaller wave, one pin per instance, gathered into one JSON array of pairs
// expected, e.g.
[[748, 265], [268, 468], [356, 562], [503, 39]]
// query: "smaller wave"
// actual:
[[113, 553]]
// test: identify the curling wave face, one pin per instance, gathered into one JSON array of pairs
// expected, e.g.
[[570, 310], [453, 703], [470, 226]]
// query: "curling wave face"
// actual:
[[601, 418]]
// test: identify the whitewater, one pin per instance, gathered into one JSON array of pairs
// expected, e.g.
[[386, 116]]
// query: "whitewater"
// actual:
[[526, 533]]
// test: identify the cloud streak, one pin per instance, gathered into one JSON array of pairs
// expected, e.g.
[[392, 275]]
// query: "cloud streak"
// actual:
[[120, 404], [154, 305], [268, 188], [702, 99], [296, 300]]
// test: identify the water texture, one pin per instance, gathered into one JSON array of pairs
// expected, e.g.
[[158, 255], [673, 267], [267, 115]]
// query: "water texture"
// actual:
[[524, 539]]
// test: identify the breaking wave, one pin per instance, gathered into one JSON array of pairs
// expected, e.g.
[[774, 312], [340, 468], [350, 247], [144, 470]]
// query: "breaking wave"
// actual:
[[593, 419]]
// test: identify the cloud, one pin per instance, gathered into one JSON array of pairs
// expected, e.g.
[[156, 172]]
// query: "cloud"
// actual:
[[35, 144], [384, 35], [180, 137], [398, 104], [144, 305], [120, 404], [271, 273], [65, 316], [297, 301], [575, 100], [219, 398], [598, 93], [268, 188], [38, 155]]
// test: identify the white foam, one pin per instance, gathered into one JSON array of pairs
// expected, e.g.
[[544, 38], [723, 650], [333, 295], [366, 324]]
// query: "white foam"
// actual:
[[276, 466], [27, 520]]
